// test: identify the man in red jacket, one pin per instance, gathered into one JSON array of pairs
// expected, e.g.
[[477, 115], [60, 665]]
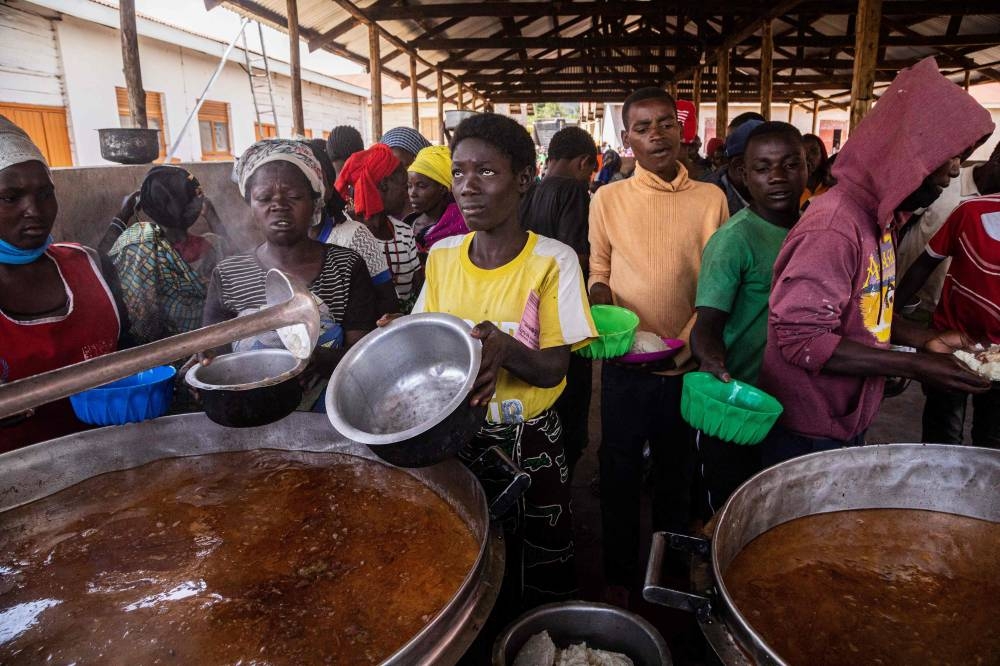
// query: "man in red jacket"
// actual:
[[831, 322]]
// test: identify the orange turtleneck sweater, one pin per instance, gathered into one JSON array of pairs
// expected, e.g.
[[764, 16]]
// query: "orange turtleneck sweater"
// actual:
[[646, 239]]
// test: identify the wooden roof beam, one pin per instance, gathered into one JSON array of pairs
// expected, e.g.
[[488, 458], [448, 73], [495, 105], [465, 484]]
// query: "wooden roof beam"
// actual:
[[951, 53], [274, 18], [653, 40], [501, 8], [328, 37]]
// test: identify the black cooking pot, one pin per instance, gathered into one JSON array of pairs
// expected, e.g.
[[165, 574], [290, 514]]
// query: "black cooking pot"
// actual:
[[129, 145], [251, 388]]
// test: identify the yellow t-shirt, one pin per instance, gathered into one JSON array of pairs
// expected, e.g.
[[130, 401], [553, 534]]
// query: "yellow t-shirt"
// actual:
[[538, 298]]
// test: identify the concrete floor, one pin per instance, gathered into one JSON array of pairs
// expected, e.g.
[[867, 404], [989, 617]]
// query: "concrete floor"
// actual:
[[898, 421]]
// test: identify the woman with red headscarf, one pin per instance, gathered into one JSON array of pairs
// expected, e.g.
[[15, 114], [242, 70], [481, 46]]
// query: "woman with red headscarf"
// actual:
[[374, 182]]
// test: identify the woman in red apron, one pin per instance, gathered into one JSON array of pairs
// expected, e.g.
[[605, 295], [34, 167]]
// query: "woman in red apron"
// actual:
[[56, 308]]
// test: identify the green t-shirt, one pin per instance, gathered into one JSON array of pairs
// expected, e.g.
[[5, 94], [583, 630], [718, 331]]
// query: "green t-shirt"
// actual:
[[736, 270]]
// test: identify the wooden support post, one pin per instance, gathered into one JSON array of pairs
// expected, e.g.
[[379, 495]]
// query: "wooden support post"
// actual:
[[130, 63], [865, 58], [815, 115], [696, 93], [461, 95], [722, 94], [968, 79], [298, 121], [766, 68], [375, 68], [440, 101], [414, 105], [791, 111]]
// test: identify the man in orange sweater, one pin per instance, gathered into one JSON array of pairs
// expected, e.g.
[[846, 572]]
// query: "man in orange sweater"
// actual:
[[647, 234]]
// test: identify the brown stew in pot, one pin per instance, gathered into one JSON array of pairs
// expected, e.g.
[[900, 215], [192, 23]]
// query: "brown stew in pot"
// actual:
[[249, 557], [877, 586]]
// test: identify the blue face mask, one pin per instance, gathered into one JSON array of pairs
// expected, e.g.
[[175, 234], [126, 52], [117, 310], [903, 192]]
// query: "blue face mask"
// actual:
[[15, 255]]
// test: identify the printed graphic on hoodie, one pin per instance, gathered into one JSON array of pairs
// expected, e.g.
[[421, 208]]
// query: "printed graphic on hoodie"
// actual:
[[879, 289]]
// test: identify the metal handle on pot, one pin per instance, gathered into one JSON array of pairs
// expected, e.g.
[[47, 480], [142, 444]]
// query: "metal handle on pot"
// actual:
[[654, 592], [519, 483], [292, 310]]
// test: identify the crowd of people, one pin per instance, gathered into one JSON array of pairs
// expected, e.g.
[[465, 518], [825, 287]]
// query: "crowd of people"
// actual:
[[777, 264]]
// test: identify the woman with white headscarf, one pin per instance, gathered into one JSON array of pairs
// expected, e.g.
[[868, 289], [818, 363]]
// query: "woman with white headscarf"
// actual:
[[283, 183], [56, 304]]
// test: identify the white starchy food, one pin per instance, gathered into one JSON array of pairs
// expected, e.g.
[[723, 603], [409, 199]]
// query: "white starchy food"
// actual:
[[539, 650], [985, 362], [581, 655], [646, 343]]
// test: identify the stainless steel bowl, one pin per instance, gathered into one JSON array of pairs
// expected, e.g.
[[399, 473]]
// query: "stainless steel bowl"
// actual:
[[403, 390], [251, 388], [600, 626]]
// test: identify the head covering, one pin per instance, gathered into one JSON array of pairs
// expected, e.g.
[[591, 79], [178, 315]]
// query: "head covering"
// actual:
[[280, 150], [714, 144], [435, 163], [687, 116], [166, 194], [405, 138], [900, 142], [16, 146], [343, 142], [736, 142], [363, 171]]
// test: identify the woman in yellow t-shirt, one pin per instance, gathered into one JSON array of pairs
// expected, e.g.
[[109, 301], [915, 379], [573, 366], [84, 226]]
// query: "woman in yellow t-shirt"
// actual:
[[527, 296]]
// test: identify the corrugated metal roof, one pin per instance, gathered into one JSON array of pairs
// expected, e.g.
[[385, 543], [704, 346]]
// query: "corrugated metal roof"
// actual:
[[813, 43]]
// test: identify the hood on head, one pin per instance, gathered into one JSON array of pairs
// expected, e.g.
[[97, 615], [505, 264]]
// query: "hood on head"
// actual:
[[920, 122]]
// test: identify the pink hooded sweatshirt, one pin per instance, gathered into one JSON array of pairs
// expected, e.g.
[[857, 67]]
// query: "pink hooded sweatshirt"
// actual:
[[836, 272]]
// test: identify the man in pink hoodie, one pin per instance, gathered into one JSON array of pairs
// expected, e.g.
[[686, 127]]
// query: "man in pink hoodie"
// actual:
[[831, 321]]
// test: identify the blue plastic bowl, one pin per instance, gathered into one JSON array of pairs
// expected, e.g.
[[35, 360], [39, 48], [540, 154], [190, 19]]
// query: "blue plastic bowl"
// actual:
[[143, 396]]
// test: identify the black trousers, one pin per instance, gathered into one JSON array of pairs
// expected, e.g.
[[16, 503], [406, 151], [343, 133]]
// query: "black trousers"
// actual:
[[781, 445], [638, 407], [724, 467], [945, 412], [573, 407]]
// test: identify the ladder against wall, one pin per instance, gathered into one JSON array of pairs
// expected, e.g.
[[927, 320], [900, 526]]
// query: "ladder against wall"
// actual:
[[261, 88]]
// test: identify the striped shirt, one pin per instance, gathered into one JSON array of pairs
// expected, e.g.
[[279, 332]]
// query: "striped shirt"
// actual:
[[343, 285], [355, 236], [401, 255]]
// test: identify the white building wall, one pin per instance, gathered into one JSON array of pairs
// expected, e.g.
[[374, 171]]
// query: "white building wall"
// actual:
[[93, 68], [30, 72]]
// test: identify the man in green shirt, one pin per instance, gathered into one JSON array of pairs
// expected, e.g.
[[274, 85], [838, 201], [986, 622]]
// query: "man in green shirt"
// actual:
[[730, 333]]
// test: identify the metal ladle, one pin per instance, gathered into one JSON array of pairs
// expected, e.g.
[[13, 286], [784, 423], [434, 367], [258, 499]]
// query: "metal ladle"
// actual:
[[291, 310]]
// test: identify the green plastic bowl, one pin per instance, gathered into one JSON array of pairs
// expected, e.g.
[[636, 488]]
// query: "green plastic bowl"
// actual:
[[735, 412], [615, 329]]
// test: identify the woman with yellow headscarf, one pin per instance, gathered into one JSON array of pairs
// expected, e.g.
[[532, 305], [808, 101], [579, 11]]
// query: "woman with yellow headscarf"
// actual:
[[435, 215]]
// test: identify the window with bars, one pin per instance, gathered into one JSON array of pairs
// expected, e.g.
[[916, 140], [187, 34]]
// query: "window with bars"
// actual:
[[154, 115], [213, 127]]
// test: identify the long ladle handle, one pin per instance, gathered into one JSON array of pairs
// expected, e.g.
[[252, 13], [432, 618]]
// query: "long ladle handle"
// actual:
[[24, 394]]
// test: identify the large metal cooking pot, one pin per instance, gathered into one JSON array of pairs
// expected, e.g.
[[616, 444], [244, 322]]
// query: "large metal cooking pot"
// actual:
[[960, 480], [403, 390], [37, 471]]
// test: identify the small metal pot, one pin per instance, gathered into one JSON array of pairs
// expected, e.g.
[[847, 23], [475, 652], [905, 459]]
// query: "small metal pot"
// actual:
[[403, 390], [600, 626], [247, 389], [129, 145]]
